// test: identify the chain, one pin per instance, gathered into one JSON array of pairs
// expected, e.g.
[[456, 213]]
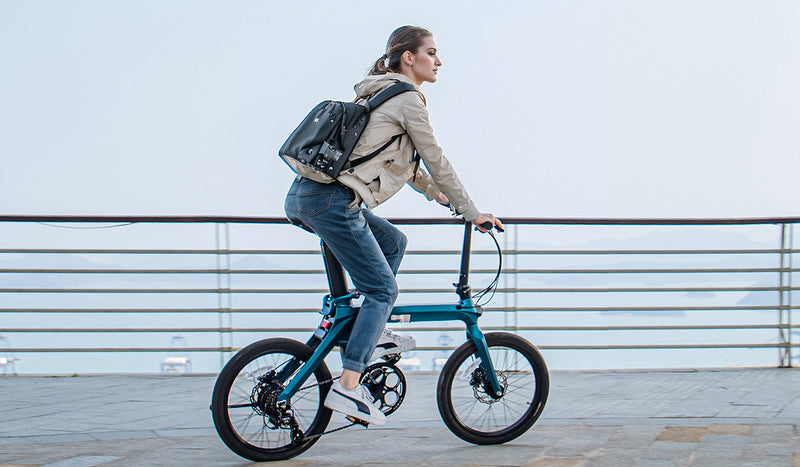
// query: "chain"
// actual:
[[309, 438], [319, 383]]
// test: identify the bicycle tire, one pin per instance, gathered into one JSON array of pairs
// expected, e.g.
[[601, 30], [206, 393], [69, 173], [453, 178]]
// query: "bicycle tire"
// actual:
[[523, 373], [237, 388]]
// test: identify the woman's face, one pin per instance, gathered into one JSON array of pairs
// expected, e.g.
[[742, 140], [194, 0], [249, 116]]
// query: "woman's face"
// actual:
[[425, 63]]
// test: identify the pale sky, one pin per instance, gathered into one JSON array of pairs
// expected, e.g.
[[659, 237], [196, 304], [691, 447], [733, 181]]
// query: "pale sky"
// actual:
[[618, 108]]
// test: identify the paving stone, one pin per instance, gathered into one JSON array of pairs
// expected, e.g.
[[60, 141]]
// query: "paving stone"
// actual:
[[749, 410], [669, 450], [775, 453], [616, 456], [82, 461], [769, 433], [123, 435], [764, 463], [682, 434], [556, 462], [661, 463], [730, 429], [713, 459]]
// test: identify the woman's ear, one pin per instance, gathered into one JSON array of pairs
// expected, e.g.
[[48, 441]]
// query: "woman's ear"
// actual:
[[408, 57]]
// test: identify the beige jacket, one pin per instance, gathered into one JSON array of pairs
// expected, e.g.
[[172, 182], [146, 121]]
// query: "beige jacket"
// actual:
[[378, 179]]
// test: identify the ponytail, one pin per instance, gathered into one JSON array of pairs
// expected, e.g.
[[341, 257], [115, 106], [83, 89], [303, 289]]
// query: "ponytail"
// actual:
[[380, 66], [402, 39]]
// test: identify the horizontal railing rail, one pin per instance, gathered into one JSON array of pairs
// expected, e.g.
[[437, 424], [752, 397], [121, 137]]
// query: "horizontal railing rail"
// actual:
[[398, 221], [745, 291]]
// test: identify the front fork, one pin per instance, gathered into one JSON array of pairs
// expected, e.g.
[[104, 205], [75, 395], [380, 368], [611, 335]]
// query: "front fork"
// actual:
[[482, 351]]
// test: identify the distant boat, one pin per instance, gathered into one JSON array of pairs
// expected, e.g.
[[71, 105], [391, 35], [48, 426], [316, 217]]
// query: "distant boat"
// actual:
[[7, 361], [177, 361]]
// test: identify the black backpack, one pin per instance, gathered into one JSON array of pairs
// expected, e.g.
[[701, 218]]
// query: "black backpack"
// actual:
[[320, 147]]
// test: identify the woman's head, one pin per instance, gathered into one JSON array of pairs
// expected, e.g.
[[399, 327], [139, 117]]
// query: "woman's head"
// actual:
[[411, 51]]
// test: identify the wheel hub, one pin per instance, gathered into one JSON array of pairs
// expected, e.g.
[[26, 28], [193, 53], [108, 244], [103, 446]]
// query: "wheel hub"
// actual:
[[483, 389]]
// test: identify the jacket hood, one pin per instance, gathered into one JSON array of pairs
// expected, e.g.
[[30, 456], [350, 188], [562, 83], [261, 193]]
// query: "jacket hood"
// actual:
[[374, 83]]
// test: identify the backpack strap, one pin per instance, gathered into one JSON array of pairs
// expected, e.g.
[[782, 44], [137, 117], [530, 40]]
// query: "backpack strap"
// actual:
[[389, 92], [378, 99], [375, 152]]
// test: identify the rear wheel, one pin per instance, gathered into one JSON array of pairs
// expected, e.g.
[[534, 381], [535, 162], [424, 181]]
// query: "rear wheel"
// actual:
[[247, 416], [465, 403]]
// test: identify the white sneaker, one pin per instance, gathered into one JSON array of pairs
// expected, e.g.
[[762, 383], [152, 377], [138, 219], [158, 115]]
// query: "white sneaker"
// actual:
[[391, 343], [356, 402]]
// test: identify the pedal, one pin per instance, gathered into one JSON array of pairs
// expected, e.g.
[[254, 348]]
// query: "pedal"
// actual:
[[357, 421], [392, 358]]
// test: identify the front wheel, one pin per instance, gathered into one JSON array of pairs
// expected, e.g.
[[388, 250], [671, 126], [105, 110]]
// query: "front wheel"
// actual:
[[474, 415], [244, 404]]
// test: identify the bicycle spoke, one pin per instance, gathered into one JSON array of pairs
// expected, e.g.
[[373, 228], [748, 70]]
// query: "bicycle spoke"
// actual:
[[244, 423], [259, 437], [517, 389], [474, 404], [240, 406]]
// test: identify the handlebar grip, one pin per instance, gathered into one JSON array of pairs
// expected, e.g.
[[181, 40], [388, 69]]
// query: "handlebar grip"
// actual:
[[488, 226]]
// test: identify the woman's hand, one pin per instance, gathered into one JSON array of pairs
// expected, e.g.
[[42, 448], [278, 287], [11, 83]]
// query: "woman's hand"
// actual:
[[442, 199], [484, 218]]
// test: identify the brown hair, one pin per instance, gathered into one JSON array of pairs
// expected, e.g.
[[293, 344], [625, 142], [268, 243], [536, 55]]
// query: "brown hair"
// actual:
[[402, 39]]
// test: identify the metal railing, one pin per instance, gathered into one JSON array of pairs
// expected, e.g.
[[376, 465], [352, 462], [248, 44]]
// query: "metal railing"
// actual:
[[60, 292]]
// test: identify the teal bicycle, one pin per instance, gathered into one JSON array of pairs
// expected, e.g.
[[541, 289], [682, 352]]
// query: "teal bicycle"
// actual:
[[267, 402]]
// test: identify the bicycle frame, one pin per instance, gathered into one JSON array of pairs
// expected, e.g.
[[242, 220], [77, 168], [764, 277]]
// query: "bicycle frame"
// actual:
[[339, 313]]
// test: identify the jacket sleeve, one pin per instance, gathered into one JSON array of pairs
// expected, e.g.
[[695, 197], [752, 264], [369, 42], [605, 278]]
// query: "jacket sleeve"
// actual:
[[423, 183], [416, 122]]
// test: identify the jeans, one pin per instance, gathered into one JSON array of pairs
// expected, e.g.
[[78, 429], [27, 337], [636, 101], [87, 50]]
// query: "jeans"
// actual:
[[369, 248]]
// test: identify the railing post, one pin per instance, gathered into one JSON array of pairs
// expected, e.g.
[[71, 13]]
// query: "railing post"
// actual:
[[789, 293], [516, 276], [223, 257], [510, 298], [785, 296]]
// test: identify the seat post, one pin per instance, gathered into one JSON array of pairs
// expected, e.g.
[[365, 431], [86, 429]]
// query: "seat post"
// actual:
[[337, 281]]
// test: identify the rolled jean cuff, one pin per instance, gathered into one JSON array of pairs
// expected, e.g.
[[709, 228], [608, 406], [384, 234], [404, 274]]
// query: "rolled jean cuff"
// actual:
[[353, 366]]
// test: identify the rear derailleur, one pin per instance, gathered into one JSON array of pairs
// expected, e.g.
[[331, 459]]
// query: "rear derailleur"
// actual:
[[278, 415]]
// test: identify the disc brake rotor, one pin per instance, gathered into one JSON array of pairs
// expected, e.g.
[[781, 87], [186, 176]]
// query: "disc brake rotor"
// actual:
[[482, 389]]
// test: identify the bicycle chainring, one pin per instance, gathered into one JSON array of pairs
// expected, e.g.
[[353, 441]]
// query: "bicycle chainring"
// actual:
[[387, 385]]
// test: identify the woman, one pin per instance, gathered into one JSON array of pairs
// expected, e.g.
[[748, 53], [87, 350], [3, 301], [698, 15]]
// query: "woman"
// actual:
[[369, 247]]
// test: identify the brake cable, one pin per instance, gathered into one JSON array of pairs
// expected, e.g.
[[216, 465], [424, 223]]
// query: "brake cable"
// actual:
[[492, 287]]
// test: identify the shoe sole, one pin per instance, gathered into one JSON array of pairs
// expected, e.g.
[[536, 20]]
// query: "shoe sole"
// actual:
[[382, 352], [346, 408]]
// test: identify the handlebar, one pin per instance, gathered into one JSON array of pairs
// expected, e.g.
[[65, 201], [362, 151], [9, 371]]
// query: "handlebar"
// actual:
[[486, 225]]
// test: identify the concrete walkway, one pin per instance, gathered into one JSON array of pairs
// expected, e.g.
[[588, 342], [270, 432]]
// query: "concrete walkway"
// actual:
[[731, 417]]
